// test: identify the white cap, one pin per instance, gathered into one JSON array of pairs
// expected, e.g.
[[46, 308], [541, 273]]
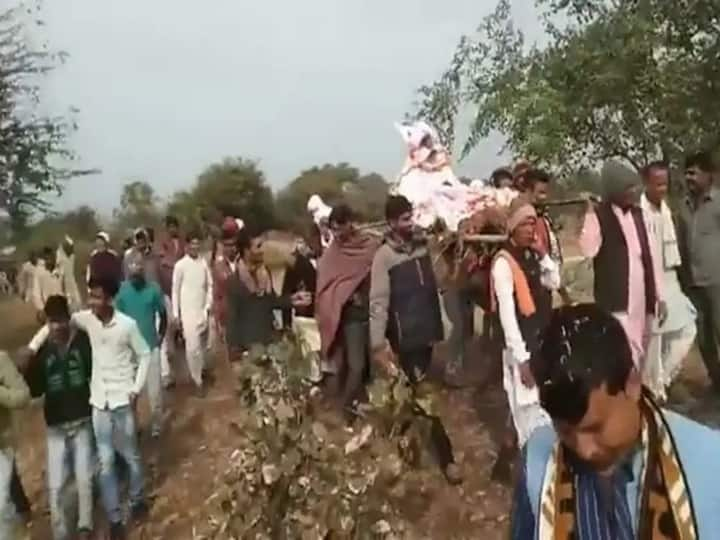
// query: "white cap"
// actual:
[[103, 236]]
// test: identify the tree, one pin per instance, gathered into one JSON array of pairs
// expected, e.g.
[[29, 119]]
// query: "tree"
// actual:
[[138, 207], [34, 155], [234, 187], [334, 183], [631, 80]]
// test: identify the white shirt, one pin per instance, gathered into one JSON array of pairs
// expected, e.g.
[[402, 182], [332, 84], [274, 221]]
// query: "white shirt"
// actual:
[[120, 357], [46, 283], [192, 288], [504, 286]]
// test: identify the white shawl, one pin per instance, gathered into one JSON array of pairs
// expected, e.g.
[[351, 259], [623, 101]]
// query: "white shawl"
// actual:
[[671, 253]]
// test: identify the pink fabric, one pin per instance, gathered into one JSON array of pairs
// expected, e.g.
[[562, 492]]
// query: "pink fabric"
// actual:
[[635, 320]]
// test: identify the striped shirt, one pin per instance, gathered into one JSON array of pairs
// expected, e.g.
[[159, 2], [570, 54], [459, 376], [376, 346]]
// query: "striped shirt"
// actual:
[[606, 508]]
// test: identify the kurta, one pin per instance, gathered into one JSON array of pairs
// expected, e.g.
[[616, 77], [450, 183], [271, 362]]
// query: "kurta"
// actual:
[[635, 320], [524, 402], [47, 283], [192, 295], [669, 343], [66, 264]]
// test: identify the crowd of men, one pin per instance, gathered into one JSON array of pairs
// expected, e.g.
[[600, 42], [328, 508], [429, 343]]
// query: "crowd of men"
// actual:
[[598, 457]]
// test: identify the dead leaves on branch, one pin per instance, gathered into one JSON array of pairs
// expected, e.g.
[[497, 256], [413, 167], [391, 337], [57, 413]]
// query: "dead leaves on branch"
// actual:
[[294, 476]]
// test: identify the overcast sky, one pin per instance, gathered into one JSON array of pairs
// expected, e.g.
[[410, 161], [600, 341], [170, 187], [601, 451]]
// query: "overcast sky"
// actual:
[[166, 87]]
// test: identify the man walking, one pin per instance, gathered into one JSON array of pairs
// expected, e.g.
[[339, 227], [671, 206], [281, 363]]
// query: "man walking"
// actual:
[[104, 263], [120, 358], [48, 280], [405, 309], [342, 306], [671, 340], [523, 277], [699, 238], [171, 249], [61, 372], [616, 466], [142, 301], [615, 237], [192, 295], [14, 394], [65, 260]]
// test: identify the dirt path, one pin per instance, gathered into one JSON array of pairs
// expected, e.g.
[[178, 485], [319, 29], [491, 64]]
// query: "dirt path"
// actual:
[[185, 466]]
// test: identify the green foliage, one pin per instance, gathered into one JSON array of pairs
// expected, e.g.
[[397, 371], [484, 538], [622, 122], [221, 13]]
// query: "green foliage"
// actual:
[[235, 187], [138, 207], [34, 155], [631, 80], [334, 183]]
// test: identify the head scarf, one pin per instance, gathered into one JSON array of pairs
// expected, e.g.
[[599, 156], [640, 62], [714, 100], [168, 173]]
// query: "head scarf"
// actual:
[[616, 178], [520, 210]]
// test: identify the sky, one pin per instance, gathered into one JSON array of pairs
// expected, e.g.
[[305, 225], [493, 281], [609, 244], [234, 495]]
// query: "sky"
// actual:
[[166, 87]]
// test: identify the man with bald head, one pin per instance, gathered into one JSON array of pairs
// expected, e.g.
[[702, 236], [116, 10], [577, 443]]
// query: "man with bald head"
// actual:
[[615, 237]]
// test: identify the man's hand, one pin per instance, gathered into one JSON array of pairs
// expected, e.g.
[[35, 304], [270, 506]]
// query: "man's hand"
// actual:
[[526, 375], [24, 357], [662, 312], [132, 398], [383, 358]]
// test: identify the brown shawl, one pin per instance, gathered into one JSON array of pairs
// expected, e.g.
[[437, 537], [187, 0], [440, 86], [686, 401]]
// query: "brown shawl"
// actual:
[[341, 269]]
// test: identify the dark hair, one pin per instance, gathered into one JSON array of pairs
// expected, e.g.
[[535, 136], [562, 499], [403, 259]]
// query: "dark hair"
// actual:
[[341, 214], [47, 251], [702, 160], [583, 348], [654, 165], [108, 285], [243, 241], [171, 220], [193, 235], [499, 174], [141, 234], [56, 308], [534, 176], [396, 206]]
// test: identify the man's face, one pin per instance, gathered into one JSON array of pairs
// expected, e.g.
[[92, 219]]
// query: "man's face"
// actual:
[[100, 244], [255, 252], [341, 231], [403, 225], [68, 248], [604, 434], [50, 260], [656, 184], [540, 193], [229, 247], [173, 230], [524, 234], [697, 180], [505, 181], [193, 247], [141, 243], [98, 302], [627, 198], [59, 329]]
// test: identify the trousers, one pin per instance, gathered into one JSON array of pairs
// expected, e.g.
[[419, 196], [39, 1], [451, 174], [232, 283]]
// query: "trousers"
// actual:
[[115, 431], [70, 453]]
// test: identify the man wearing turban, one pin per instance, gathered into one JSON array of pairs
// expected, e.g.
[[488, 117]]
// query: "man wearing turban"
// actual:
[[523, 277], [615, 237]]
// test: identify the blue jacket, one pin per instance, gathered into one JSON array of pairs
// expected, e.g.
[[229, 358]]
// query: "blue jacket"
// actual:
[[699, 451]]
